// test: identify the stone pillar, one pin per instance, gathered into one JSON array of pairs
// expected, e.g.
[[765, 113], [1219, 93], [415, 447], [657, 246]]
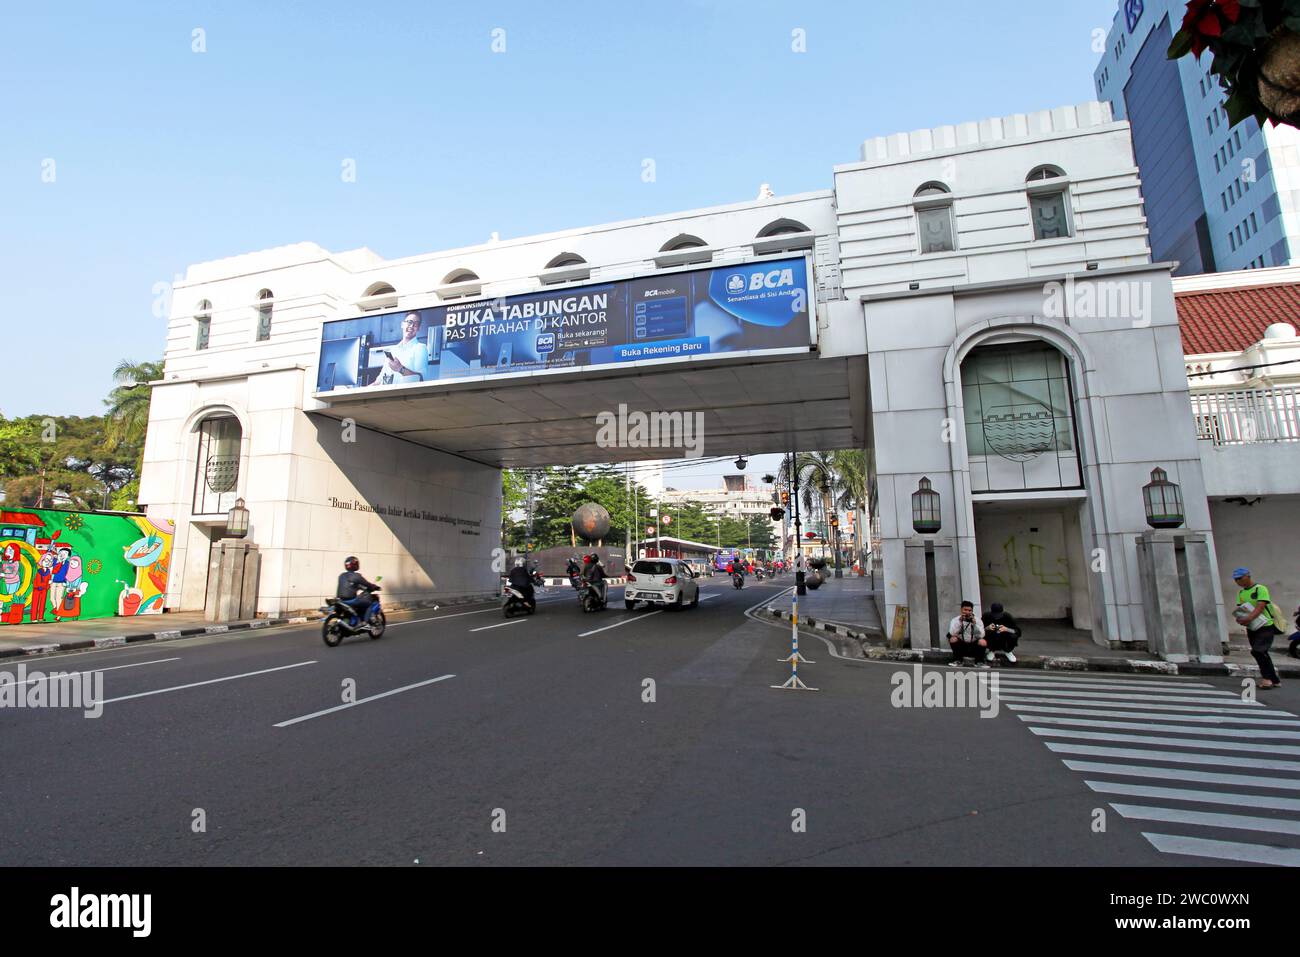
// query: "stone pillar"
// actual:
[[233, 569], [1178, 597], [1200, 606], [947, 594]]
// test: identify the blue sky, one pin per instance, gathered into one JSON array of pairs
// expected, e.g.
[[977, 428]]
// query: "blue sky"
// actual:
[[164, 157]]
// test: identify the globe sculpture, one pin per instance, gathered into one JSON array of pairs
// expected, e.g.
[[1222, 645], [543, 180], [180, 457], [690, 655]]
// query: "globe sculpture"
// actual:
[[591, 522]]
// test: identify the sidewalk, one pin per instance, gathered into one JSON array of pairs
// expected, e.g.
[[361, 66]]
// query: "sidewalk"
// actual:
[[843, 609]]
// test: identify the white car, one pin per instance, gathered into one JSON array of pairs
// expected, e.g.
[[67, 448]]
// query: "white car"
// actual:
[[661, 581]]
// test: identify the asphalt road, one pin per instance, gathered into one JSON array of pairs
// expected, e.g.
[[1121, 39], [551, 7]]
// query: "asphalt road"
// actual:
[[476, 741]]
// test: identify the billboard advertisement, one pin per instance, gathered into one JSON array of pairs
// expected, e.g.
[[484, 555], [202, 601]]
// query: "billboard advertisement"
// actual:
[[721, 310], [63, 566]]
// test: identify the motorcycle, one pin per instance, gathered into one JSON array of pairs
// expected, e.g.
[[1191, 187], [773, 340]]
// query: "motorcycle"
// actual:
[[737, 580], [538, 580], [590, 597], [574, 571], [342, 621], [759, 575], [515, 603]]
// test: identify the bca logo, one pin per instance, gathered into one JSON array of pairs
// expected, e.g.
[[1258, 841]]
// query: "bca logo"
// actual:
[[771, 280], [735, 283], [545, 343]]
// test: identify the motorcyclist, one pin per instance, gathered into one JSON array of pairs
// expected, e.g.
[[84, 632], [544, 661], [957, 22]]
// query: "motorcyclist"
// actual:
[[574, 571], [594, 574], [354, 590], [522, 582]]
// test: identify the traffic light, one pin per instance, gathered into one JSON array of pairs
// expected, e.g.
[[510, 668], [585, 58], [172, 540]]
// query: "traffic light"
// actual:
[[785, 498], [835, 521], [777, 513]]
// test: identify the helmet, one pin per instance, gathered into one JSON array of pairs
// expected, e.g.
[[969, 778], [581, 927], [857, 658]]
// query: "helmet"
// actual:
[[351, 563]]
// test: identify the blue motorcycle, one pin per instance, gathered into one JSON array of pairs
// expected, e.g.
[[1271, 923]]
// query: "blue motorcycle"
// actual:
[[343, 621]]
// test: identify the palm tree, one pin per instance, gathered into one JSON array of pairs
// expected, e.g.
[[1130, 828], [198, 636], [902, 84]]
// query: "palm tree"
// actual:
[[128, 403], [851, 467], [819, 479]]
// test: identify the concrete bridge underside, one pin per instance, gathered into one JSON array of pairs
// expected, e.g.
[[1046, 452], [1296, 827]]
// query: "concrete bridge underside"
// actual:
[[751, 407]]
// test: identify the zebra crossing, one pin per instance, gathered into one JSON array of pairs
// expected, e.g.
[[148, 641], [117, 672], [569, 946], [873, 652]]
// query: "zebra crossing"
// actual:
[[1204, 772]]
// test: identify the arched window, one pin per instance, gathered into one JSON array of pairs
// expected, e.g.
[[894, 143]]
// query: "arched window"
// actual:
[[782, 227], [1049, 211], [216, 474], [265, 303], [459, 275], [682, 241], [1044, 172], [202, 325], [1019, 412], [935, 226], [566, 259], [379, 289]]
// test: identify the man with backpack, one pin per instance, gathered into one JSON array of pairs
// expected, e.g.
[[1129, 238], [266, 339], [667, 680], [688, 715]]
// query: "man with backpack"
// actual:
[[1257, 613]]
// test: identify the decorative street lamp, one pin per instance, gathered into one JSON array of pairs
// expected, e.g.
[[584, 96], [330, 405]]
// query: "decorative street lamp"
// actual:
[[237, 520], [1163, 501], [926, 519]]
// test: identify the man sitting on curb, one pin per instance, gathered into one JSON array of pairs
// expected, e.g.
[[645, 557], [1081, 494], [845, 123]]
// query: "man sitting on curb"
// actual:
[[966, 636], [1003, 633]]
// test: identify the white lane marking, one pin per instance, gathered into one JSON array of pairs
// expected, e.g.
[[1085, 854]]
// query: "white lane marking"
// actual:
[[1172, 757], [708, 596], [500, 624], [1224, 850], [1051, 694], [1174, 815], [1178, 774], [461, 614], [1228, 717], [1199, 797], [1054, 687], [1061, 678], [353, 704], [1254, 733], [1118, 701], [1168, 742], [91, 671], [210, 681], [625, 621]]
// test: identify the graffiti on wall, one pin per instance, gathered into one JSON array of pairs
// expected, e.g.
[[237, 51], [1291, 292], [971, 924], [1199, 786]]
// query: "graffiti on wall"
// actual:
[[1009, 573], [61, 566]]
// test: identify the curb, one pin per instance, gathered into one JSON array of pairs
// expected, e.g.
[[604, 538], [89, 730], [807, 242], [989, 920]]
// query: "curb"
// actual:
[[117, 641], [870, 647], [301, 618]]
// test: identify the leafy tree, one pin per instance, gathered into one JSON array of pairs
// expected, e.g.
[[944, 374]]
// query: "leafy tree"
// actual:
[[17, 449]]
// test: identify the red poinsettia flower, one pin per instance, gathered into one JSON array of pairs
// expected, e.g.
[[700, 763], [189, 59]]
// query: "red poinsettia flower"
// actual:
[[1205, 19]]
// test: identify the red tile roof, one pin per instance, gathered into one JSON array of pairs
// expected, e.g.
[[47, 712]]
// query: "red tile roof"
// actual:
[[1230, 320]]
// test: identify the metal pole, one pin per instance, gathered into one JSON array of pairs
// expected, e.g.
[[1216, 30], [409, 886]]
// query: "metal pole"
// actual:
[[799, 587]]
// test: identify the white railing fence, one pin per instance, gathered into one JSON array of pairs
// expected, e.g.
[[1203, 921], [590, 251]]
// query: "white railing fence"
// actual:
[[1247, 416]]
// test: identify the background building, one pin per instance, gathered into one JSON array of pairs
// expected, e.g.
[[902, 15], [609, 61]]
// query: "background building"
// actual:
[[1243, 364], [1217, 198]]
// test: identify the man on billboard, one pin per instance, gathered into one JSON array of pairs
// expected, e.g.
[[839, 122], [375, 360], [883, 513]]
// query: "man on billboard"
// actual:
[[408, 360]]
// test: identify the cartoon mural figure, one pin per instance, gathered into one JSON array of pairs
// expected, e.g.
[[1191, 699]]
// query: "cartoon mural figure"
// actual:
[[50, 561], [74, 588], [59, 581], [41, 585], [10, 570]]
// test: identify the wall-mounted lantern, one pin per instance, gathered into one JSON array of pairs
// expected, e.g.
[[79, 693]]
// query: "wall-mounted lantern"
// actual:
[[926, 519], [1163, 501], [237, 520]]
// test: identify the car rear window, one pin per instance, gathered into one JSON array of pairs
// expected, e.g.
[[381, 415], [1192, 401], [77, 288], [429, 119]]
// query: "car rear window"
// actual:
[[652, 568]]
